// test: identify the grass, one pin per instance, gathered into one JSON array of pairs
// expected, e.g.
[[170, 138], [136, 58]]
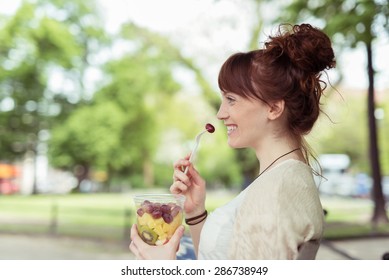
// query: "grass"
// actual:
[[350, 218], [103, 216], [109, 216], [98, 215]]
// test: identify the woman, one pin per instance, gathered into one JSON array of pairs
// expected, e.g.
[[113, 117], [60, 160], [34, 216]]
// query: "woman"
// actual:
[[270, 100]]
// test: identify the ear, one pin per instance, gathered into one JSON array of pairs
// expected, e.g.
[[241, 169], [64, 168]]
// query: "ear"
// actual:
[[276, 109]]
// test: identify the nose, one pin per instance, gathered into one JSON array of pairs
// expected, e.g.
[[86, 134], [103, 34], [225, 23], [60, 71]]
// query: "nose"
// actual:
[[222, 114]]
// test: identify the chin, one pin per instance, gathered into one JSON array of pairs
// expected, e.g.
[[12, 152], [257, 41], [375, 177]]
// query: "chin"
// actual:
[[235, 145]]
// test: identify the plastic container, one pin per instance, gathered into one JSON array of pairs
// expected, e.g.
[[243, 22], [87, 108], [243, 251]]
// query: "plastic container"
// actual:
[[158, 216]]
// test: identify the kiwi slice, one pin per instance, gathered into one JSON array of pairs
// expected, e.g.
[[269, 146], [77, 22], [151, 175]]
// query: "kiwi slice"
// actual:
[[148, 235]]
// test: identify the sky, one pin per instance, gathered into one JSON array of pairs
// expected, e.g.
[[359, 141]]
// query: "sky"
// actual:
[[209, 31]]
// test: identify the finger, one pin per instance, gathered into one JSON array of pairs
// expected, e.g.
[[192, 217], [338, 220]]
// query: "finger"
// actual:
[[175, 239], [178, 234], [179, 175], [178, 187], [138, 242], [188, 156], [181, 164], [195, 176], [134, 231], [134, 249], [132, 246]]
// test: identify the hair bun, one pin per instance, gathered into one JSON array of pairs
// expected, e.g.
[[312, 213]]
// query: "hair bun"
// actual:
[[307, 47]]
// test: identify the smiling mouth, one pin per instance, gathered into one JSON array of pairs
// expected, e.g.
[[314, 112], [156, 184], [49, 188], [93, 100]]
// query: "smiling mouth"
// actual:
[[231, 129]]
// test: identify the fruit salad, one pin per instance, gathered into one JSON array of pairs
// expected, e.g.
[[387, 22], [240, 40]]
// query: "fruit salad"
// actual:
[[157, 221]]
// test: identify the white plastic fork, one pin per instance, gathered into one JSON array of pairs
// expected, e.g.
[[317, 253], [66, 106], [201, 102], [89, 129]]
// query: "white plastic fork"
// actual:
[[194, 151]]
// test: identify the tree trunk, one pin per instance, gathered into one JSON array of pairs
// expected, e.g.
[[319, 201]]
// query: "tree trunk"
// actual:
[[35, 176], [33, 150], [81, 172], [379, 213], [148, 173]]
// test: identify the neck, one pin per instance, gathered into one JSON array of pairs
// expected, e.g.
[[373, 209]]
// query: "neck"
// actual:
[[276, 152]]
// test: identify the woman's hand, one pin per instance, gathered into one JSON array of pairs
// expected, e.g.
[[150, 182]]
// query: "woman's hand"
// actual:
[[144, 251], [191, 184]]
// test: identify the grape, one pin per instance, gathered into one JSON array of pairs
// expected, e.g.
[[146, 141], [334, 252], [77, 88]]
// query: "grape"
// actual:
[[146, 202], [210, 128], [156, 214], [165, 208], [175, 210], [157, 206], [148, 208], [140, 212], [168, 218]]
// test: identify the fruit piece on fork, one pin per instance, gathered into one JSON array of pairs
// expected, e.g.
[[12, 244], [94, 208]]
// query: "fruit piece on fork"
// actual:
[[210, 128]]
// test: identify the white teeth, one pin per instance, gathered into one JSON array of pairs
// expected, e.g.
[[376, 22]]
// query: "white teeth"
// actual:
[[231, 128]]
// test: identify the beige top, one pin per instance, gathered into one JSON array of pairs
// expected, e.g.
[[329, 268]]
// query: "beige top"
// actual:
[[281, 216]]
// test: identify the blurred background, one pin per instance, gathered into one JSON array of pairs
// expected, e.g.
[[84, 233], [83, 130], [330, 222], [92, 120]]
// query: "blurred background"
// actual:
[[99, 98]]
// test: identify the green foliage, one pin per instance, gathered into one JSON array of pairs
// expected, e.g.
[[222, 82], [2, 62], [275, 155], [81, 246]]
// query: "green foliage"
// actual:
[[53, 37], [34, 44], [147, 40], [118, 133], [343, 128], [348, 22], [88, 133]]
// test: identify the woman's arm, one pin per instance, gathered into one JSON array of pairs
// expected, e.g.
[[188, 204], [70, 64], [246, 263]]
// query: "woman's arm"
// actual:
[[193, 186], [195, 228]]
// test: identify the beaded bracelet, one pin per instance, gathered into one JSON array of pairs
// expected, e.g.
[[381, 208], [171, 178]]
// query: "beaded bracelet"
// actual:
[[192, 221]]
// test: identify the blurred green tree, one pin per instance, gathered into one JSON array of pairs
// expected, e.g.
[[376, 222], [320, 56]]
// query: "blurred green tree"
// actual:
[[148, 39], [41, 47], [116, 133], [90, 135], [351, 23]]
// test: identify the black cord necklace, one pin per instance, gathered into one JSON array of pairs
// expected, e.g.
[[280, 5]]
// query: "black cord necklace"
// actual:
[[276, 160]]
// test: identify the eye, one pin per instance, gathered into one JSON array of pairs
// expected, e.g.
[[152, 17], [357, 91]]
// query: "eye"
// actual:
[[230, 99]]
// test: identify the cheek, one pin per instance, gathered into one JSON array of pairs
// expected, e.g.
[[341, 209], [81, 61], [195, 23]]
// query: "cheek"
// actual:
[[255, 126], [255, 117]]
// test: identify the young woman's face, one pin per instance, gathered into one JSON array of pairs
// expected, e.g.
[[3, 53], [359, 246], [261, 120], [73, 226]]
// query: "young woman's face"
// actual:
[[245, 120]]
